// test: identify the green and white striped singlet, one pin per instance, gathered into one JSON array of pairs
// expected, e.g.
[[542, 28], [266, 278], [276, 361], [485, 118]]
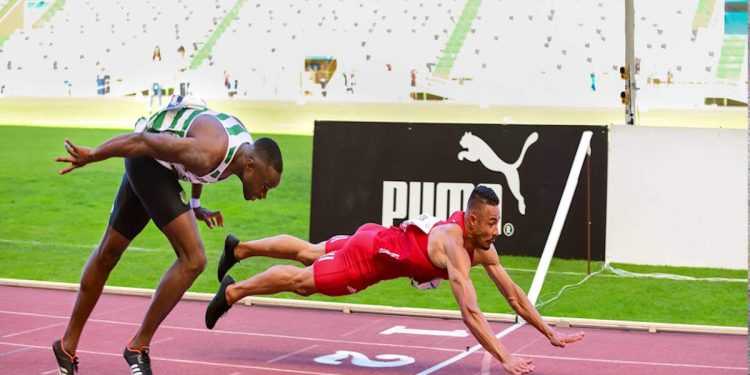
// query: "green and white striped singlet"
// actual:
[[176, 120]]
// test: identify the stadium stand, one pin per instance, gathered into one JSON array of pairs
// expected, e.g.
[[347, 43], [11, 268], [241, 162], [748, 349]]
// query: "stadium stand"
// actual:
[[85, 36], [463, 50]]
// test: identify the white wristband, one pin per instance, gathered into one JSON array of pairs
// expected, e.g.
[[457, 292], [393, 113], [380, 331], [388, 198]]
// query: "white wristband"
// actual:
[[195, 202]]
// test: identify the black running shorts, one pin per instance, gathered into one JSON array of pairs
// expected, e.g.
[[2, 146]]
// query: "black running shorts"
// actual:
[[148, 191]]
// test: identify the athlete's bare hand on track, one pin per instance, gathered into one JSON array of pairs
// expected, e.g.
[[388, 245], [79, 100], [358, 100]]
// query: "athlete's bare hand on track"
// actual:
[[211, 218], [79, 156], [519, 365], [561, 341]]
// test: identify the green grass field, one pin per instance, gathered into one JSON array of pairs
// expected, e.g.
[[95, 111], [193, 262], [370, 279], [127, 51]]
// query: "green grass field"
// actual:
[[50, 223]]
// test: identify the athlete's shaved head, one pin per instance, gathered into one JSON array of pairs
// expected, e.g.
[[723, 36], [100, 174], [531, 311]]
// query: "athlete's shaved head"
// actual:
[[262, 166], [482, 217], [482, 195], [268, 150]]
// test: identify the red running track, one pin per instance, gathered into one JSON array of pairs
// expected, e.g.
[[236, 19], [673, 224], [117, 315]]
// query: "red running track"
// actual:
[[274, 340]]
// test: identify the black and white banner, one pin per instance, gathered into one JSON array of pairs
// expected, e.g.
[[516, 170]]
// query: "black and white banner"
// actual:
[[387, 172]]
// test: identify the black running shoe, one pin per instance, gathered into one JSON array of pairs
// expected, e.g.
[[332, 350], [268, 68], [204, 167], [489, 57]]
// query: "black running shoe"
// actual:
[[227, 259], [138, 360], [218, 306], [66, 364]]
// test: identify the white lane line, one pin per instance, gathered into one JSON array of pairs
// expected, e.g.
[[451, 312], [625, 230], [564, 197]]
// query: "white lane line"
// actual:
[[218, 364], [109, 312], [33, 330], [645, 363], [644, 275], [486, 363], [236, 333], [9, 352], [473, 349], [50, 372], [31, 314], [58, 244], [361, 327], [487, 359], [425, 332], [291, 354], [518, 351], [432, 369], [162, 340]]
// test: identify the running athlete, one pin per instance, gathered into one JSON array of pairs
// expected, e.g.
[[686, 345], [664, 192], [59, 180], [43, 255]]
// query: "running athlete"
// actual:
[[424, 249], [184, 141]]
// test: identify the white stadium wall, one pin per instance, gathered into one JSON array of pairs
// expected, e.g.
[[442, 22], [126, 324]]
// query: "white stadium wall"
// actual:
[[677, 197]]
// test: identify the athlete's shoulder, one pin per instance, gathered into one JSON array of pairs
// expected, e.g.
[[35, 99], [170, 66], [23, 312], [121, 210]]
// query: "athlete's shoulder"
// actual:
[[447, 231], [206, 125]]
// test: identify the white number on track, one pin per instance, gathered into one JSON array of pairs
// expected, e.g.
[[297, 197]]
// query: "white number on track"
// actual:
[[359, 359]]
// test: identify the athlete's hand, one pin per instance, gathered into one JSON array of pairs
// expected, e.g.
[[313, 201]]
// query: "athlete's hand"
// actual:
[[212, 218], [561, 341], [519, 365], [79, 156]]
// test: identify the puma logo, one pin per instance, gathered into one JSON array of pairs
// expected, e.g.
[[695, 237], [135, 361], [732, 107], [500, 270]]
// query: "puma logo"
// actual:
[[477, 149]]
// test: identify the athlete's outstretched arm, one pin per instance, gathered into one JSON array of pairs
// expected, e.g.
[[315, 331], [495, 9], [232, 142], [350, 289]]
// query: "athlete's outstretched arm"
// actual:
[[519, 302], [160, 146], [195, 153], [459, 266]]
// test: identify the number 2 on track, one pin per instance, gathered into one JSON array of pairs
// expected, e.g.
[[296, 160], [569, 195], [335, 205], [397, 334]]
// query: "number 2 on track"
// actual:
[[359, 359]]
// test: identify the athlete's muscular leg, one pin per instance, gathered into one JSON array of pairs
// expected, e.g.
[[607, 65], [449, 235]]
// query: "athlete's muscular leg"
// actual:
[[290, 247], [280, 278], [95, 273], [182, 233], [281, 247]]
